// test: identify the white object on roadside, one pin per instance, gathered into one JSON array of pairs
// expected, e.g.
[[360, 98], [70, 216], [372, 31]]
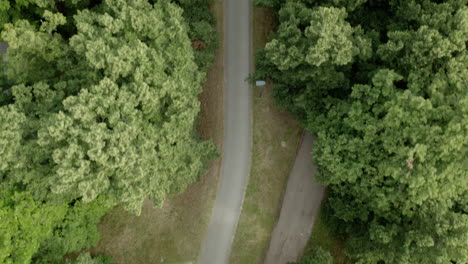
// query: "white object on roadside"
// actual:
[[260, 83]]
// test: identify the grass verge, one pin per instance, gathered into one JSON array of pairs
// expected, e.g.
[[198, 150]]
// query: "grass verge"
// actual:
[[174, 233], [276, 136]]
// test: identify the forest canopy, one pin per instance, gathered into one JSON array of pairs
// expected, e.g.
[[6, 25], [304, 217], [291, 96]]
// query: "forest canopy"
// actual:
[[98, 108], [384, 86]]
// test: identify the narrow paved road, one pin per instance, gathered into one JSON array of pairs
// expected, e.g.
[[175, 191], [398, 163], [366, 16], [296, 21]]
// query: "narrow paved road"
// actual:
[[300, 207], [237, 135]]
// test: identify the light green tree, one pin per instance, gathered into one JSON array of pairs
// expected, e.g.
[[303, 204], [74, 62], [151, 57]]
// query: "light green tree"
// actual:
[[98, 105], [75, 231], [24, 225], [115, 112]]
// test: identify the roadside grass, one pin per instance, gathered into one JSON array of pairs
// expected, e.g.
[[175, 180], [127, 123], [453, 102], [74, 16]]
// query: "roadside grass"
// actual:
[[276, 136], [175, 232]]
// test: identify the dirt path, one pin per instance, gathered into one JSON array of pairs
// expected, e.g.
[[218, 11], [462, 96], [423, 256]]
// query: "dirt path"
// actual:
[[300, 207], [237, 135]]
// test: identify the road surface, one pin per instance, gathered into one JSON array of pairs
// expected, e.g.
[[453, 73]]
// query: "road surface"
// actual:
[[237, 135], [300, 207]]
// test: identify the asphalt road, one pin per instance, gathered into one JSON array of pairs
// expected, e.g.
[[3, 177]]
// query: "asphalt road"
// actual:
[[300, 207], [237, 135]]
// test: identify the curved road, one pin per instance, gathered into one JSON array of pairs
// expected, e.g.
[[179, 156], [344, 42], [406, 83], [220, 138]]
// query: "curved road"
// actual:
[[237, 134]]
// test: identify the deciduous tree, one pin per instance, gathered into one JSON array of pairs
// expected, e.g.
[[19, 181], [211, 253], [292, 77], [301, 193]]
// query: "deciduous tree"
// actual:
[[24, 225], [115, 112], [383, 84]]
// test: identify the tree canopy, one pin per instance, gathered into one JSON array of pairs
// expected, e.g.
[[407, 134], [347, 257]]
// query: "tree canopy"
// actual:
[[85, 258], [384, 86], [113, 112], [317, 256], [24, 224], [98, 108]]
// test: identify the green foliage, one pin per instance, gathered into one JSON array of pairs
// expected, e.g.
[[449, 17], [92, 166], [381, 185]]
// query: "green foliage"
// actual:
[[432, 235], [269, 3], [326, 38], [77, 230], [115, 113], [24, 225], [307, 56], [38, 232], [201, 30], [85, 258], [383, 84], [98, 103], [11, 124], [37, 11], [317, 256]]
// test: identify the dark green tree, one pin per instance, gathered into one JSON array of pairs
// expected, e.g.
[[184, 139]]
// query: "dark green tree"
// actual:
[[201, 31], [317, 256], [384, 86], [309, 55]]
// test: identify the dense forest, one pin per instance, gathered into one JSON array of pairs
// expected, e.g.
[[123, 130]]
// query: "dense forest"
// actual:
[[384, 86], [98, 107]]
